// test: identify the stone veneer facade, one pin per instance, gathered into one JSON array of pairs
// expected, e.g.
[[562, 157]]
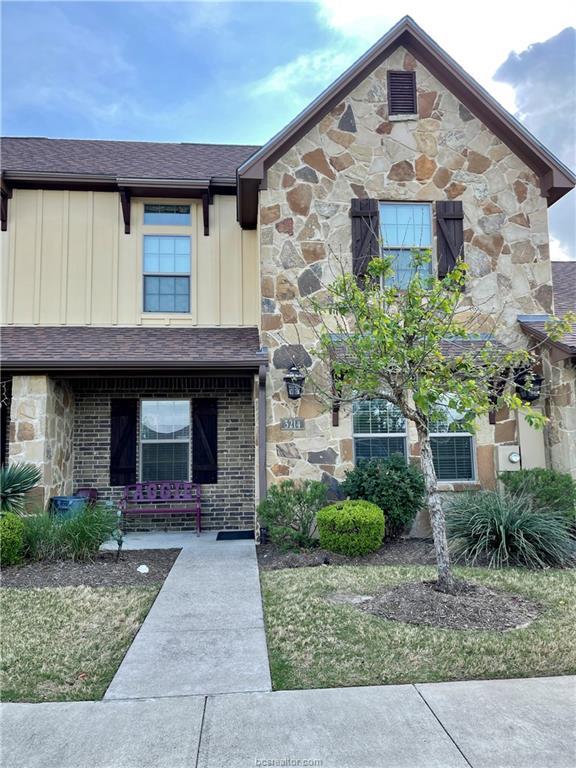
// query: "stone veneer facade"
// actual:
[[561, 409], [357, 150], [41, 426]]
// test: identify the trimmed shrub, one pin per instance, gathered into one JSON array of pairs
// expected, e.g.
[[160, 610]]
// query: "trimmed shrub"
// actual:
[[352, 528], [505, 530], [548, 489], [48, 537], [11, 539], [393, 485], [15, 482], [289, 512]]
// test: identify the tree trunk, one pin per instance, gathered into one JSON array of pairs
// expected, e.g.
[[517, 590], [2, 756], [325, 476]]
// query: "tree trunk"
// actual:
[[437, 516]]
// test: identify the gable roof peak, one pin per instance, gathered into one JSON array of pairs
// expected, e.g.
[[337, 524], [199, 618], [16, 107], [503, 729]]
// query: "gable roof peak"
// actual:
[[556, 178]]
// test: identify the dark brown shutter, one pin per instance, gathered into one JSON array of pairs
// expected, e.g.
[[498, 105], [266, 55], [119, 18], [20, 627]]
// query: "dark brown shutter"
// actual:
[[365, 233], [123, 436], [205, 441], [402, 93], [450, 235]]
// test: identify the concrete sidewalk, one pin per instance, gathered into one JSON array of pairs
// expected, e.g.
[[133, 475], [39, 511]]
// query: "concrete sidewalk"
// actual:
[[205, 632], [193, 691], [486, 724]]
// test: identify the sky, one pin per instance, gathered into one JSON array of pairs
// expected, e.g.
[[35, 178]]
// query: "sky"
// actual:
[[237, 72]]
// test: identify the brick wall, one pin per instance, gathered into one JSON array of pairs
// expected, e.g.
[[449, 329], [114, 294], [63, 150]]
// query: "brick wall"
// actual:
[[227, 505]]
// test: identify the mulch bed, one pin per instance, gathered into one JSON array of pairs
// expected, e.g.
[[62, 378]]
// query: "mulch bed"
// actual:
[[103, 571], [472, 607], [395, 552]]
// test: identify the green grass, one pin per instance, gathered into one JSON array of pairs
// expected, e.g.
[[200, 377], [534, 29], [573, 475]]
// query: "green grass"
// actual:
[[313, 643], [66, 644]]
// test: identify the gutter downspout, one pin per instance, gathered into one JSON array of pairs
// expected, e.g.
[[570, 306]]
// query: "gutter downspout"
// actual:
[[262, 431]]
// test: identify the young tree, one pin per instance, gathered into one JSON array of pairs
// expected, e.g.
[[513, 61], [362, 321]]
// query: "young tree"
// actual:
[[419, 347]]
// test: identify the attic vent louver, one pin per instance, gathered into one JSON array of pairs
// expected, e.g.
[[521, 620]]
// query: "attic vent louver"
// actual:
[[402, 93]]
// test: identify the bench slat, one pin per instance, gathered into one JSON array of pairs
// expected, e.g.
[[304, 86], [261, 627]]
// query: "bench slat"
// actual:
[[159, 491]]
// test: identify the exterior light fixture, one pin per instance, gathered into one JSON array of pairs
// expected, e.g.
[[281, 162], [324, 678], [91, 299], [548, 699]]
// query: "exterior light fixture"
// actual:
[[514, 457], [528, 385], [294, 383]]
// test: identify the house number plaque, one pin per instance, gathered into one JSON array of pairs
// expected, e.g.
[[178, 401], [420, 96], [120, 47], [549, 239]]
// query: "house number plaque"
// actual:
[[292, 424]]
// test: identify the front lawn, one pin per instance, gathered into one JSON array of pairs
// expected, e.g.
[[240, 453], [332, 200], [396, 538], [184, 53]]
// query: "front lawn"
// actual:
[[66, 643], [315, 643]]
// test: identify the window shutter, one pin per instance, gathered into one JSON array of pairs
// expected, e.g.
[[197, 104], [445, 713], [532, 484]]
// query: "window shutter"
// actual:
[[402, 93], [365, 233], [123, 437], [450, 235], [205, 441]]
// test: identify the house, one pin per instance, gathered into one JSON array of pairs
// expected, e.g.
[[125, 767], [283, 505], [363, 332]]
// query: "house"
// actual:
[[152, 292]]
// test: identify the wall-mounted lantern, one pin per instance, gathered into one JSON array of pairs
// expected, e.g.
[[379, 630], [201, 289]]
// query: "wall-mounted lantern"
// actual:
[[528, 385], [294, 383]]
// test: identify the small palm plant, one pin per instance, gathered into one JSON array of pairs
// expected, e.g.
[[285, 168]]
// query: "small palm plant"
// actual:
[[15, 482]]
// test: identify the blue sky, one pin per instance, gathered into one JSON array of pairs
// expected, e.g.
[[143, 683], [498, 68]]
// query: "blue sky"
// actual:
[[239, 71]]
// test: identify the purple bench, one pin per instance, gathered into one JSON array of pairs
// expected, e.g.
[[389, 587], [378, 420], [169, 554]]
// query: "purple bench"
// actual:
[[143, 499]]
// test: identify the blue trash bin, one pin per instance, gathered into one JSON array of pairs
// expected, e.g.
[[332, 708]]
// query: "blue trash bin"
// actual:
[[66, 507]]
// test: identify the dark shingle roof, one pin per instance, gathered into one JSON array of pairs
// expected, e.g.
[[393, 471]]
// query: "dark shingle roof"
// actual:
[[125, 159], [88, 347], [564, 282], [564, 286]]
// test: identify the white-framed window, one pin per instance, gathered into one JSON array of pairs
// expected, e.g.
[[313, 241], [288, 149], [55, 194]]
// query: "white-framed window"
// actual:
[[166, 261], [165, 440], [379, 430], [452, 448], [405, 227]]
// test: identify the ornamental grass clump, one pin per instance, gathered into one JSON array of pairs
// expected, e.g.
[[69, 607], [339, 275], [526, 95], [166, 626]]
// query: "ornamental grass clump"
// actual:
[[352, 528], [504, 530], [48, 537]]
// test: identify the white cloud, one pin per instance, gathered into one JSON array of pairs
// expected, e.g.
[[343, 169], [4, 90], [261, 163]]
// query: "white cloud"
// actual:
[[309, 73], [478, 37], [558, 251], [479, 41]]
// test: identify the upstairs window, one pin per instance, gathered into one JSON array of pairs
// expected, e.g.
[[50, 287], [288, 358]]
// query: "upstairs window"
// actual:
[[379, 430], [405, 227], [166, 258], [166, 273], [167, 215], [402, 98]]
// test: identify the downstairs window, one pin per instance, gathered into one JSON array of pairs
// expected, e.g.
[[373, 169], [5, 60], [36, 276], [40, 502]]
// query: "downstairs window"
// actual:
[[452, 448], [379, 430], [165, 440]]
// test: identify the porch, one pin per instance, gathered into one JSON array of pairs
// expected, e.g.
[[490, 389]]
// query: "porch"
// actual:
[[116, 426]]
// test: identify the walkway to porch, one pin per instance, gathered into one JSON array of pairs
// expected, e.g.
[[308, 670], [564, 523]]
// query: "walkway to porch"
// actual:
[[205, 632]]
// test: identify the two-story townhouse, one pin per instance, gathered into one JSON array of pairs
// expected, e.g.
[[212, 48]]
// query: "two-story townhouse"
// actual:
[[152, 293]]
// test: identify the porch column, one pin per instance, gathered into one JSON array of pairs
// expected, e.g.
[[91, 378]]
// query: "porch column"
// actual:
[[41, 427]]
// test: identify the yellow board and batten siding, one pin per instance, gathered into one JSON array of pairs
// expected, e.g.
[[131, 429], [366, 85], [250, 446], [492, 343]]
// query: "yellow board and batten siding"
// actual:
[[67, 261]]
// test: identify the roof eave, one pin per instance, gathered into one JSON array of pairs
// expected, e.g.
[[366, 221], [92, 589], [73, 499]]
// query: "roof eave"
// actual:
[[560, 350], [50, 366]]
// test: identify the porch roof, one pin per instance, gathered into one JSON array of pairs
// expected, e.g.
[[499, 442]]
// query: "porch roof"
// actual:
[[70, 348], [564, 288]]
